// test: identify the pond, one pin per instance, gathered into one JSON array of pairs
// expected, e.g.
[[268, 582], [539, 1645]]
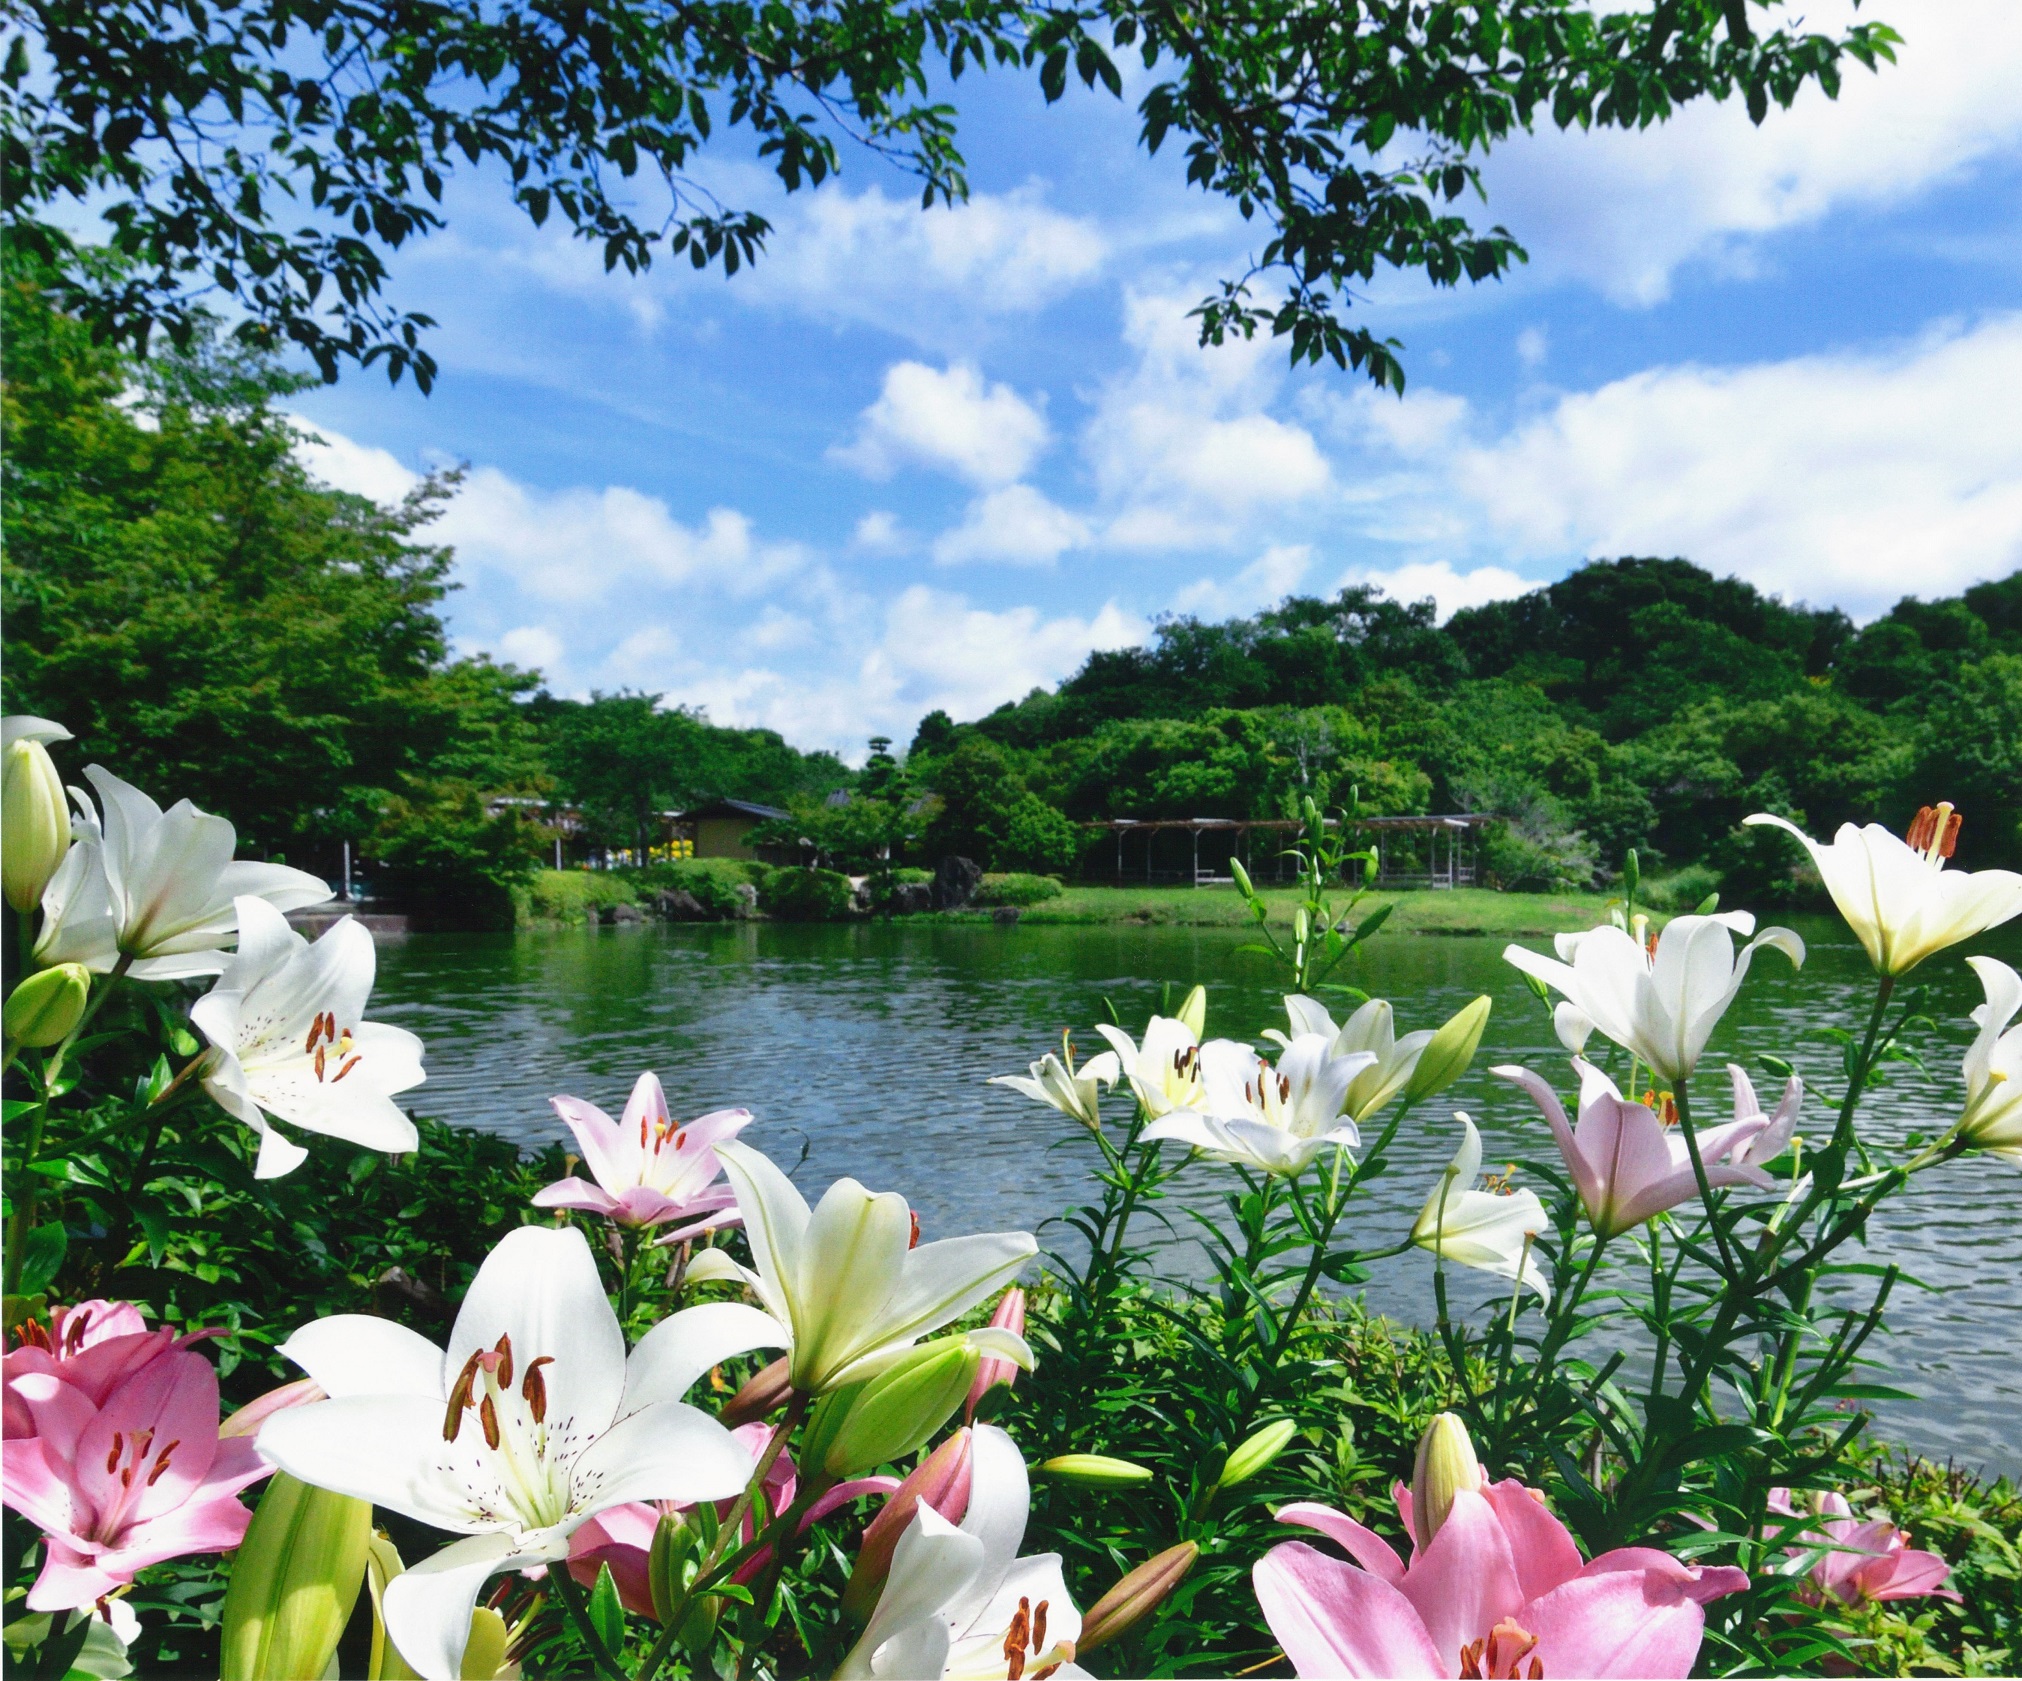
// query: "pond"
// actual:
[[866, 1047]]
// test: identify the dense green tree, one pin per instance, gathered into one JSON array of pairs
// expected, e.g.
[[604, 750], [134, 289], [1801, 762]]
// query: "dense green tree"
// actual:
[[208, 619]]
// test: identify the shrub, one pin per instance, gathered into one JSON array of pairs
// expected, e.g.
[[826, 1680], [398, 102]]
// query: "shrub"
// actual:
[[713, 882], [574, 895], [797, 895], [1681, 891], [1017, 888]]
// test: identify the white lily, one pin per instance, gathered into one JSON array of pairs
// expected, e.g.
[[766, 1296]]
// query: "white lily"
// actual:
[[844, 1278], [1765, 1146], [959, 1601], [1898, 897], [1277, 1120], [1165, 1071], [1076, 1091], [1993, 1117], [1372, 1028], [1660, 1001], [156, 887], [1487, 1230], [283, 1022], [530, 1423]]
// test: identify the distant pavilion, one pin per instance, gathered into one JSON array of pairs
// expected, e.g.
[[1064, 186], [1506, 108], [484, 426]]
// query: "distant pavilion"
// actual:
[[1434, 851]]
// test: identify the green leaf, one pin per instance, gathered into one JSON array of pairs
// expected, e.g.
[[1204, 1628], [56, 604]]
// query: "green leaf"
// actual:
[[41, 1255], [607, 1612]]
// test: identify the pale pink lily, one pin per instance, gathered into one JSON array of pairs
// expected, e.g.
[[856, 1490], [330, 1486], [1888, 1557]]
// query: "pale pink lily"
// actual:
[[1500, 1591], [650, 1170], [1862, 1562], [1626, 1164], [1275, 1120], [1662, 1000], [119, 1483], [1009, 1315], [531, 1422], [78, 1346], [1777, 1130]]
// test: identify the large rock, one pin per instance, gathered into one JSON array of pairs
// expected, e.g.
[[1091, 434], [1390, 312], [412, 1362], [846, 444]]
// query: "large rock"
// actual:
[[677, 904], [955, 883], [747, 899], [910, 898], [623, 913]]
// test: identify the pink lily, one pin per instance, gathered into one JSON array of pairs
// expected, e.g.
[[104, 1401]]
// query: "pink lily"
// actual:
[[649, 1169], [1008, 1316], [1626, 1164], [1500, 1590], [1778, 1129], [93, 1346], [1865, 1561], [122, 1483], [622, 1536]]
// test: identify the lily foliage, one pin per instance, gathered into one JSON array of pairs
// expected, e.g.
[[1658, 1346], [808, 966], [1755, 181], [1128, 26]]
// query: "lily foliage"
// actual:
[[681, 1419]]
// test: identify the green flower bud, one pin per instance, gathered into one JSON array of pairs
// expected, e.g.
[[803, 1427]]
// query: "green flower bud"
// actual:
[[1094, 1470], [673, 1562], [47, 1005], [1452, 1048], [1445, 1466], [294, 1581], [1193, 1011], [1242, 877], [484, 1658], [1136, 1596], [896, 1412], [1256, 1452], [34, 816]]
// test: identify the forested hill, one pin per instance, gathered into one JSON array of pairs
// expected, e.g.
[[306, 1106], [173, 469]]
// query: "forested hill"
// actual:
[[1636, 702]]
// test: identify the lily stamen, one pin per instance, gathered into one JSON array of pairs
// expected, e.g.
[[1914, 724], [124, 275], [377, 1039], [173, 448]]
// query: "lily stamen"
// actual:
[[1935, 832]]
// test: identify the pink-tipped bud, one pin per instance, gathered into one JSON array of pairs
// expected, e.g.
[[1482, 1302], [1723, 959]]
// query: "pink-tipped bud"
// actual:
[[942, 1481], [1136, 1596], [1010, 1316], [763, 1393], [248, 1419]]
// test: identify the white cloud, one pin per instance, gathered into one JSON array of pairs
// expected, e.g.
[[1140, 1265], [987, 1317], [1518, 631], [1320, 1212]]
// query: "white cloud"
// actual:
[[864, 257], [532, 645], [1181, 446], [1533, 345], [359, 468], [939, 651], [1016, 525], [1852, 478], [879, 532], [1623, 210], [948, 419], [1451, 589], [1273, 575]]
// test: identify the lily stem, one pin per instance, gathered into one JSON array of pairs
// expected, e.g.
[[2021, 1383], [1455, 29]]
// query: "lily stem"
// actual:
[[571, 1595]]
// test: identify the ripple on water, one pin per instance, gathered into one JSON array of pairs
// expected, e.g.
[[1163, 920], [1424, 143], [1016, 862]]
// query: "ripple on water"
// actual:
[[866, 1047]]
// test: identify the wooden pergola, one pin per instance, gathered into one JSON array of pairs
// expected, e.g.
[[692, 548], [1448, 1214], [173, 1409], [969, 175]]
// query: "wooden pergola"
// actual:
[[1432, 851]]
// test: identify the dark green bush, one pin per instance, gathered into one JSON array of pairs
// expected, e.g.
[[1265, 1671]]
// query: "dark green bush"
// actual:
[[712, 881], [1017, 888], [797, 895]]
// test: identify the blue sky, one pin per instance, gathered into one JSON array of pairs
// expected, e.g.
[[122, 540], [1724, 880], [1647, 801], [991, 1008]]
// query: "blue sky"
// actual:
[[920, 460]]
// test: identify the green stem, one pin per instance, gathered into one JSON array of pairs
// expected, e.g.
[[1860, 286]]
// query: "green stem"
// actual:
[[24, 1207], [1682, 1098], [571, 1595]]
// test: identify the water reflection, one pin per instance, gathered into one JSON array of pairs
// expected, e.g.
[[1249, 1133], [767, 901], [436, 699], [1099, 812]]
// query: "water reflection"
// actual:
[[866, 1047]]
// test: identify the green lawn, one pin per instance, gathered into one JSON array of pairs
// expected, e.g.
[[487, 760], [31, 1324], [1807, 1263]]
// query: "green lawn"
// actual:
[[1465, 910]]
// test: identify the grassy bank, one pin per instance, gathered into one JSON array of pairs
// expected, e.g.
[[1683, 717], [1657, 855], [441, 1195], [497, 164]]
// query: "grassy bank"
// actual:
[[1466, 910], [558, 898]]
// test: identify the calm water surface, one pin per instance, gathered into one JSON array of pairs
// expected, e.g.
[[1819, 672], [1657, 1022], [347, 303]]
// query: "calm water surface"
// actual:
[[866, 1047]]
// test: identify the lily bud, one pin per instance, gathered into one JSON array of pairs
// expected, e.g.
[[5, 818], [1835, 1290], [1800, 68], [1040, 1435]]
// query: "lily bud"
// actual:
[[1242, 877], [1136, 1596], [1193, 1011], [764, 1392], [1300, 926], [672, 1563], [942, 1481], [898, 1411], [484, 1658], [34, 816], [995, 1369], [1094, 1470], [293, 1583], [248, 1419], [1452, 1048], [44, 1008], [1445, 1466], [1256, 1452]]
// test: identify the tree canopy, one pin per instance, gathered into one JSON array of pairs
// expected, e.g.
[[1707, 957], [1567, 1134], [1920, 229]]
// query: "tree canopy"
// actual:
[[269, 155]]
